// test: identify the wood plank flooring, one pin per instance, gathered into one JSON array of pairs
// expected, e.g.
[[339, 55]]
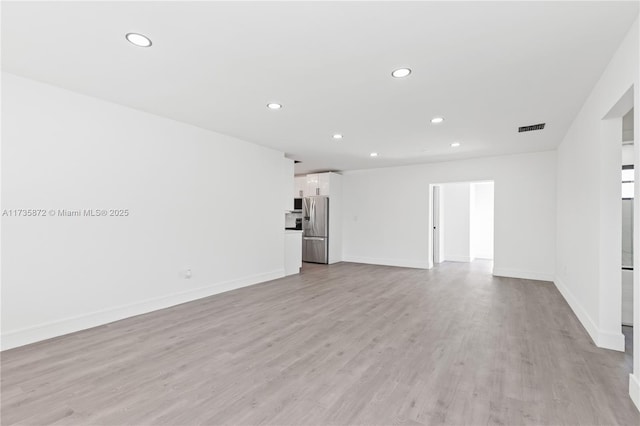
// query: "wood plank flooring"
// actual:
[[339, 344]]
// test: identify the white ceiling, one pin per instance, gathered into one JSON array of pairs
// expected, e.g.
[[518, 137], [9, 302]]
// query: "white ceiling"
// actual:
[[487, 67]]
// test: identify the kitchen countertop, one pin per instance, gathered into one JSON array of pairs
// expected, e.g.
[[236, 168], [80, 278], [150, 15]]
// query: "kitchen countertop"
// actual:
[[293, 231]]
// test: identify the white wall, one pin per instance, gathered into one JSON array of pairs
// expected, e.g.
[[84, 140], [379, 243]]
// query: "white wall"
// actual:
[[456, 221], [289, 184], [335, 218], [588, 222], [482, 220], [589, 203], [192, 197], [386, 211]]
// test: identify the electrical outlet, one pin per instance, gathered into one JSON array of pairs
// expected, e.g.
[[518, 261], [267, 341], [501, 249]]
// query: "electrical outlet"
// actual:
[[187, 273]]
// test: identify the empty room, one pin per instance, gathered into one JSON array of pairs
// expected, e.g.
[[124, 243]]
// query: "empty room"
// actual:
[[319, 213]]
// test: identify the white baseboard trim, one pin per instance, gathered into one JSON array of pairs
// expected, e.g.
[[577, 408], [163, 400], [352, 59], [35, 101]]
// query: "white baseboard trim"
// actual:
[[24, 336], [484, 256], [387, 262], [613, 341], [458, 259], [634, 390], [526, 275], [602, 339]]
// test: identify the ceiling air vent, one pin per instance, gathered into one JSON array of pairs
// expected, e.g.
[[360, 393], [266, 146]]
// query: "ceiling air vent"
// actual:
[[531, 128]]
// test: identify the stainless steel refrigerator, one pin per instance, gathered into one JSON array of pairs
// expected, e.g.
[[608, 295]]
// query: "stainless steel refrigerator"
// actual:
[[315, 229]]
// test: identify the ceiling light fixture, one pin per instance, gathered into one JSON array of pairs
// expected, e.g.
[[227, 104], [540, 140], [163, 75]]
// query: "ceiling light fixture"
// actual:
[[437, 120], [138, 39], [337, 136], [455, 144], [274, 106], [373, 154], [401, 72]]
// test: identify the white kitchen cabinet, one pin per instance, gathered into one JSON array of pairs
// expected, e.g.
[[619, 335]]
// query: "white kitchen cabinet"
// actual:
[[323, 183], [300, 187], [312, 187], [318, 184]]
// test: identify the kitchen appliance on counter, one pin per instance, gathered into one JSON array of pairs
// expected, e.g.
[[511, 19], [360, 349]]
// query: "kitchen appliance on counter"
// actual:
[[315, 229]]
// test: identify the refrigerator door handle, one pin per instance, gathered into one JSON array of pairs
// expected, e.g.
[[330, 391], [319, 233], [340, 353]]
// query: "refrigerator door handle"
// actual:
[[314, 238]]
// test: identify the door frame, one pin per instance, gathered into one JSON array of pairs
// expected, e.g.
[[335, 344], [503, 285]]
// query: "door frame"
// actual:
[[434, 243], [435, 225]]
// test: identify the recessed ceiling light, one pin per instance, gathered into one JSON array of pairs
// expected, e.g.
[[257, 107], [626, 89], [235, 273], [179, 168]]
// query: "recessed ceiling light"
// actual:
[[138, 39], [337, 136], [274, 106], [455, 144], [401, 72], [373, 154], [437, 120]]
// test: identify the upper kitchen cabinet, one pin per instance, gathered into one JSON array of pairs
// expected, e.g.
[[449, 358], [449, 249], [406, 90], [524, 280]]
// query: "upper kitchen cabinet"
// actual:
[[312, 187], [300, 187], [318, 184], [315, 184], [323, 183]]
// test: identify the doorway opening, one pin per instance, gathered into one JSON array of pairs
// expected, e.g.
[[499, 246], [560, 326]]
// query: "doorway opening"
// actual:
[[462, 221], [619, 234], [628, 201]]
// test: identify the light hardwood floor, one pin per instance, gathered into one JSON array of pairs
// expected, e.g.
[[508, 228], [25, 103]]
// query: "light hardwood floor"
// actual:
[[340, 344]]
